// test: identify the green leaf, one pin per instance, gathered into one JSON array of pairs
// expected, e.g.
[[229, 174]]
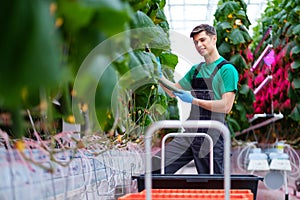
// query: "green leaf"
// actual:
[[173, 112], [295, 114], [29, 51], [233, 123], [146, 59], [236, 36], [241, 14], [161, 15], [141, 70], [169, 60], [144, 32], [295, 51], [223, 26], [241, 108], [295, 64], [159, 108], [103, 96], [74, 14], [247, 37], [279, 15], [244, 89], [296, 30], [239, 62], [141, 20], [296, 83], [122, 64], [224, 48]]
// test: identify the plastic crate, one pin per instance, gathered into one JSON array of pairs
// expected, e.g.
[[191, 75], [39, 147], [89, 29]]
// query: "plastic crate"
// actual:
[[245, 192], [199, 181], [183, 196]]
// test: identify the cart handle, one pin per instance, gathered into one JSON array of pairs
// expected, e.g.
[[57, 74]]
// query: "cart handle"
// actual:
[[187, 124]]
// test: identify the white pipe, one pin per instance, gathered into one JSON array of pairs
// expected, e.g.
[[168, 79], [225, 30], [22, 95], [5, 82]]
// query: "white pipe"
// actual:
[[187, 124], [263, 84], [273, 119], [211, 147], [264, 53]]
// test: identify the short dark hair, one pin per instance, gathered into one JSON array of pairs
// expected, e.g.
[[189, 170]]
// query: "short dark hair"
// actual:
[[210, 30]]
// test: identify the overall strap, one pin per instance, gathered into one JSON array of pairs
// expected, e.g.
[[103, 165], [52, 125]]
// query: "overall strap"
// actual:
[[219, 66], [197, 70]]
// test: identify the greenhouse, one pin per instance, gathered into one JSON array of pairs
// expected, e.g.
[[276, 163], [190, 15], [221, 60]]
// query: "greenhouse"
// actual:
[[150, 99]]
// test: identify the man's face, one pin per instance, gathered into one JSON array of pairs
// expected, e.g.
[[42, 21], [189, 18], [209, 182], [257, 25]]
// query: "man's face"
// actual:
[[204, 43]]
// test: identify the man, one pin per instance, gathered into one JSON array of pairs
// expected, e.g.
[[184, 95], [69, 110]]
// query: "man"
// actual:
[[213, 85]]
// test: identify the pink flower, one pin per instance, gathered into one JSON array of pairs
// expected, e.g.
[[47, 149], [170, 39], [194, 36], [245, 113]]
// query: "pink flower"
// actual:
[[286, 105]]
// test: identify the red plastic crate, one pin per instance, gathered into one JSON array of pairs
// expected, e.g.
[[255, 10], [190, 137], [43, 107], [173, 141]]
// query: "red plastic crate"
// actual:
[[184, 196], [246, 192]]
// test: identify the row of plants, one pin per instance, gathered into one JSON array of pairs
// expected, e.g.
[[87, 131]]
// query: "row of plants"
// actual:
[[282, 95]]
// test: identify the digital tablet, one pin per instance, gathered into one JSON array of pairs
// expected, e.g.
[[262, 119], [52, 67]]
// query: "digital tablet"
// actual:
[[168, 86]]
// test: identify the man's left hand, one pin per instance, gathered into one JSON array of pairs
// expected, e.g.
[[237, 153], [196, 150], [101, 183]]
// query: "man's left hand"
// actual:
[[184, 96]]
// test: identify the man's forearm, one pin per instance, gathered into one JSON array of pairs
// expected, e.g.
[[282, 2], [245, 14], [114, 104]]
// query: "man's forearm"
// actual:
[[223, 106]]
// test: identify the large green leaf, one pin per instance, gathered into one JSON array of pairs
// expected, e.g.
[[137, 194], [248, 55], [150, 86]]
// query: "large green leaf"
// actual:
[[247, 37], [141, 20], [78, 14], [233, 123], [241, 14], [141, 70], [147, 59], [145, 30], [239, 62], [74, 14], [103, 96], [224, 48], [223, 26], [168, 59], [29, 54], [236, 36], [29, 50], [295, 64]]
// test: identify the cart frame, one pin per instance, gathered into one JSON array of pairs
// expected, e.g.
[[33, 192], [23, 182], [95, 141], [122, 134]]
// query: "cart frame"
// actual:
[[211, 147], [187, 124]]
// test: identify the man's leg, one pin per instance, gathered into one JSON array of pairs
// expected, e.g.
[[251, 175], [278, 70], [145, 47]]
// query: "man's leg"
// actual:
[[177, 154], [200, 149]]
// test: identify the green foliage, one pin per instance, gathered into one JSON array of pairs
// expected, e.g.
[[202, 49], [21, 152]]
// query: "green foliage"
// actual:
[[231, 23], [44, 53], [30, 58]]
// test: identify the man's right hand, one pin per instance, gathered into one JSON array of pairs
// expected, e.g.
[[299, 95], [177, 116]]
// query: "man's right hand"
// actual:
[[184, 96]]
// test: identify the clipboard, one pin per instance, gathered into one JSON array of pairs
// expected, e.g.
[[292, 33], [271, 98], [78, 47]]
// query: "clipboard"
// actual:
[[168, 86]]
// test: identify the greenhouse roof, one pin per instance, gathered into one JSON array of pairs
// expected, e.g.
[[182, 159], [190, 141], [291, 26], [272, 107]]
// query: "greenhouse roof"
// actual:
[[184, 15]]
